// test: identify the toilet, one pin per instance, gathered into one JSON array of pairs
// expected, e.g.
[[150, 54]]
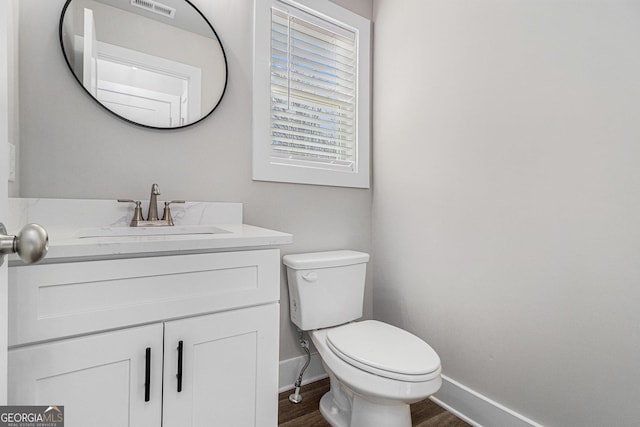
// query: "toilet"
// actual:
[[376, 370]]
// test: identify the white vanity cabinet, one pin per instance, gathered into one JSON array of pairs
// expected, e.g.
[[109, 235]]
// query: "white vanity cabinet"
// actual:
[[240, 388], [84, 335], [99, 378]]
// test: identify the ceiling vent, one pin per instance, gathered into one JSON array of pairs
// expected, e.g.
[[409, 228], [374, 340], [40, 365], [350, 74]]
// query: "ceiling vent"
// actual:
[[155, 7]]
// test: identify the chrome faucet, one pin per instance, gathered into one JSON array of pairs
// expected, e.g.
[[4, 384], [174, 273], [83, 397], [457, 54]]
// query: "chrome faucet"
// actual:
[[153, 203], [152, 216]]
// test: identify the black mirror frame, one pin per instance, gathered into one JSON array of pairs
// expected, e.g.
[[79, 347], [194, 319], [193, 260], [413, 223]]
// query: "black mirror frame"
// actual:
[[224, 56]]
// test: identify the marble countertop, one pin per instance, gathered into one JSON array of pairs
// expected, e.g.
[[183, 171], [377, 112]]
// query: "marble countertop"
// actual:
[[64, 246], [240, 237]]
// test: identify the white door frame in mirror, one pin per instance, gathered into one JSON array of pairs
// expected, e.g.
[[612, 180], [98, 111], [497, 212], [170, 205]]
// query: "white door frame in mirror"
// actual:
[[164, 85]]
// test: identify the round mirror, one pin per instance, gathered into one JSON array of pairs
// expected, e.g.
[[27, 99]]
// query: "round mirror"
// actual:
[[156, 63]]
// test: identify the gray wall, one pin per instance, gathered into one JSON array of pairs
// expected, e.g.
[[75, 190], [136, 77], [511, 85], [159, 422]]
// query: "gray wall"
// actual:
[[71, 148], [506, 197]]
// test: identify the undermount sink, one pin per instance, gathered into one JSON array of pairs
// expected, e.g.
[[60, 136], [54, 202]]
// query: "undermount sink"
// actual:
[[178, 230]]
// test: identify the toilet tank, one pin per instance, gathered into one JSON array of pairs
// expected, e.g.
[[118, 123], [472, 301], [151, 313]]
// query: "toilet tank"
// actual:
[[325, 288]]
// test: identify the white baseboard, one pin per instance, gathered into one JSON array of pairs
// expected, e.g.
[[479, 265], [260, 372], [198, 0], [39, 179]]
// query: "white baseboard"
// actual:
[[467, 404], [476, 409], [290, 369]]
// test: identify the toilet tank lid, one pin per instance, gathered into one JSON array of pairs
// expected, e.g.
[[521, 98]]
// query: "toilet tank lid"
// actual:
[[324, 259]]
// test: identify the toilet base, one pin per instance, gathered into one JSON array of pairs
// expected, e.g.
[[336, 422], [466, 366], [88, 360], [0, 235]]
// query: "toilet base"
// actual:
[[343, 408], [334, 415]]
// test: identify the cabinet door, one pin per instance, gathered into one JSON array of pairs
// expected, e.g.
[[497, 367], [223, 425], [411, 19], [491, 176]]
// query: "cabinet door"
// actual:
[[100, 379], [229, 369]]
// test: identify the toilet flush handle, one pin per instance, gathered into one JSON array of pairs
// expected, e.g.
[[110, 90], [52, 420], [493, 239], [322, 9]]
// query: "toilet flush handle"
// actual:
[[310, 277]]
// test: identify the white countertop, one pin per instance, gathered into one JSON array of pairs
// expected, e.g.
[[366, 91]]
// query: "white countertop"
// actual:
[[65, 247], [241, 236]]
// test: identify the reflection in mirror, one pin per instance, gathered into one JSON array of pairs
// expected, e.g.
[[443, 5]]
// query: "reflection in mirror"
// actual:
[[157, 63]]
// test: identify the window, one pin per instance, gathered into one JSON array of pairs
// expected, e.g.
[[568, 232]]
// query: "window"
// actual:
[[311, 94]]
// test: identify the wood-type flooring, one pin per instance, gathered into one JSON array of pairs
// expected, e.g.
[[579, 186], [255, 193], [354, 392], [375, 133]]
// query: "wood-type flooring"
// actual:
[[307, 414]]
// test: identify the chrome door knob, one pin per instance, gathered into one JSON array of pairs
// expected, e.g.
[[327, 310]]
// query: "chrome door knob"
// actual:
[[31, 244]]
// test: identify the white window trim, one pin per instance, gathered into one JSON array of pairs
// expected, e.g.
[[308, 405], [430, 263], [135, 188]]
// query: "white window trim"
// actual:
[[264, 169]]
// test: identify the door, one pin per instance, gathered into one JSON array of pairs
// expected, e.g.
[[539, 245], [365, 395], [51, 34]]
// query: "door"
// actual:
[[228, 366], [140, 105], [6, 14], [101, 379]]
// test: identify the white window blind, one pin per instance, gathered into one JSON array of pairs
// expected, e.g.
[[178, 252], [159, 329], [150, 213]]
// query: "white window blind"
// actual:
[[311, 84], [313, 92]]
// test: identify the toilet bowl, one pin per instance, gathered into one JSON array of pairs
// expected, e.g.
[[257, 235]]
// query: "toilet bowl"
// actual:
[[366, 395], [376, 370]]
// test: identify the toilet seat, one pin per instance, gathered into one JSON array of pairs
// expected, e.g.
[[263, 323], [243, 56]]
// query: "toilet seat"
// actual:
[[384, 350]]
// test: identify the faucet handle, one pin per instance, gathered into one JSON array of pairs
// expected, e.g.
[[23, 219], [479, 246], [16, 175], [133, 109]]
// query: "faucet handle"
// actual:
[[166, 215], [137, 211]]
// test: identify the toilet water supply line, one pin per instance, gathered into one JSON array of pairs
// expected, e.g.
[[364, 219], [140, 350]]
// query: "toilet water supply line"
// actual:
[[297, 397]]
